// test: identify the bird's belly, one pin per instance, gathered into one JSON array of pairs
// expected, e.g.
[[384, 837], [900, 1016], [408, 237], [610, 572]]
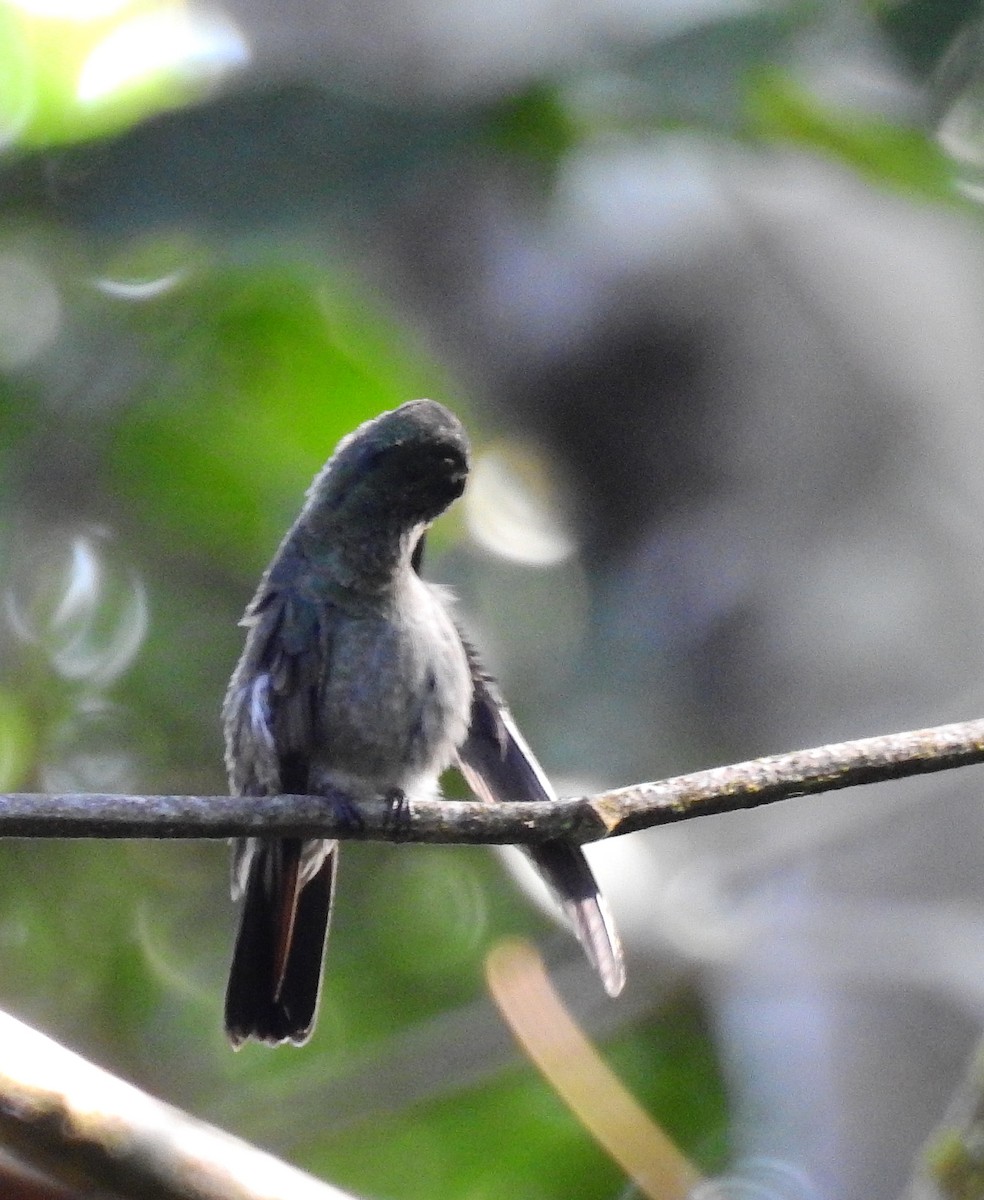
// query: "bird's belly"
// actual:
[[396, 705]]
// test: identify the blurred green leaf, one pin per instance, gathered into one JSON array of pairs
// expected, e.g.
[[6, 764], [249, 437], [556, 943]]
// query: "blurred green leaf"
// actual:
[[695, 77], [672, 1067], [18, 68], [17, 741], [778, 109], [264, 370], [74, 75], [514, 1137], [129, 991], [396, 963], [534, 124]]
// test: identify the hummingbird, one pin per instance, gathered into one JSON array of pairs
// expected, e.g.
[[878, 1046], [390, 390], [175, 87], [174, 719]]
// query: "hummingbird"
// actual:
[[356, 675]]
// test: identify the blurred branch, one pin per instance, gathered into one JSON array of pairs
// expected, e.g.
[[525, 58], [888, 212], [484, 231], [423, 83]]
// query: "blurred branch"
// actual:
[[579, 1075], [84, 1127], [370, 817]]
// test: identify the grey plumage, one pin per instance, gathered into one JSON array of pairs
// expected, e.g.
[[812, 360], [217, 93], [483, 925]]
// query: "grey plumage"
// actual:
[[354, 676]]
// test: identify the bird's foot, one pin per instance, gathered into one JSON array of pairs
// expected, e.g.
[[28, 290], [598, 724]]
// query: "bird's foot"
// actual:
[[398, 812], [348, 813]]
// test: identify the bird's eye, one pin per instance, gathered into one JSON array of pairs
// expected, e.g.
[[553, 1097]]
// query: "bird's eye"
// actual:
[[452, 460]]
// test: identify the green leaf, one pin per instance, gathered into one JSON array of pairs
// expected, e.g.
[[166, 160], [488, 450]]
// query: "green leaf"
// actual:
[[262, 370], [74, 75], [512, 1136], [904, 159], [17, 741], [533, 124]]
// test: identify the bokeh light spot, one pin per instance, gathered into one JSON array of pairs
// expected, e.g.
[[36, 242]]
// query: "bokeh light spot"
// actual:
[[511, 510], [148, 267], [443, 913], [30, 310], [91, 751], [759, 1177], [74, 10], [18, 86], [166, 42], [89, 616], [147, 289]]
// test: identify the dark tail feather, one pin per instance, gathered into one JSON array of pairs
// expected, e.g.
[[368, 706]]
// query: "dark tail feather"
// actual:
[[274, 988], [567, 872]]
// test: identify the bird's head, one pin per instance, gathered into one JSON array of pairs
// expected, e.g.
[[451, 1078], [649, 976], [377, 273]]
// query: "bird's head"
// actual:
[[385, 482]]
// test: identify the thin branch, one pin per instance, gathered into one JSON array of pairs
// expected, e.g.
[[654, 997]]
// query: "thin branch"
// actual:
[[370, 817], [82, 1126]]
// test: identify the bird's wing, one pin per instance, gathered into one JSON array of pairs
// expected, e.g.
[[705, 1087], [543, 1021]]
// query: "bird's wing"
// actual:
[[271, 708], [285, 883], [498, 765]]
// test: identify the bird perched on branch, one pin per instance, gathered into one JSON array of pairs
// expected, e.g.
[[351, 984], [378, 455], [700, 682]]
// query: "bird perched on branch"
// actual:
[[355, 676]]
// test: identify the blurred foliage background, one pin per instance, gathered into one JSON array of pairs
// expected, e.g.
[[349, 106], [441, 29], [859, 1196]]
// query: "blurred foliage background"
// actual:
[[705, 279]]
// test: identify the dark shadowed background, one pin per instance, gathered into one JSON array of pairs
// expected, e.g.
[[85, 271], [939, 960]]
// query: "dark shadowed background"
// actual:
[[705, 280]]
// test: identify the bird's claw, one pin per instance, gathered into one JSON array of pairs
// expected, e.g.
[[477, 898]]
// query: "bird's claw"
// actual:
[[349, 815], [398, 812]]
